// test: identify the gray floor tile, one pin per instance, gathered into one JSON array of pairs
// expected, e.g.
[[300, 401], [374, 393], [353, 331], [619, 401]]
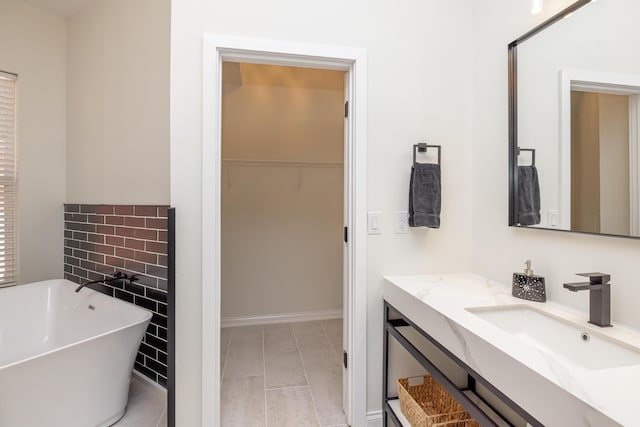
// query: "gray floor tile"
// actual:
[[225, 338], [163, 420], [333, 329], [246, 333], [338, 349], [291, 407], [318, 354], [289, 358], [308, 329], [144, 407], [278, 330], [326, 389], [306, 344], [279, 338], [242, 402], [284, 369], [245, 359]]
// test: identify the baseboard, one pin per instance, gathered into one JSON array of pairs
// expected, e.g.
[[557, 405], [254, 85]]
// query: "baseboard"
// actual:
[[146, 379], [269, 319], [374, 419]]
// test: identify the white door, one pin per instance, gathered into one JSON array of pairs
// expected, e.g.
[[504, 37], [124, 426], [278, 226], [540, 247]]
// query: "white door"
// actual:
[[634, 163], [345, 259]]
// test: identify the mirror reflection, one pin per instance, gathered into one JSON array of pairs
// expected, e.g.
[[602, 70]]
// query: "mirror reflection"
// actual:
[[576, 161]]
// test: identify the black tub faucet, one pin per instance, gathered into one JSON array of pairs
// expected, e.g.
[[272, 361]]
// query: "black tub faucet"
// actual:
[[116, 277], [599, 296]]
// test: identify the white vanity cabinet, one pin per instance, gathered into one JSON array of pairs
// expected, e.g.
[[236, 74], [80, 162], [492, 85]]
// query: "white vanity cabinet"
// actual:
[[435, 324], [457, 378]]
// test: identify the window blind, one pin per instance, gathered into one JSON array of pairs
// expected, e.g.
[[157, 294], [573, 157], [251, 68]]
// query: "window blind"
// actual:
[[8, 187]]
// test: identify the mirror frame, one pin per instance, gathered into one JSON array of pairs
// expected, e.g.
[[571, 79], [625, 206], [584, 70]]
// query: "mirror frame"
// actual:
[[513, 118]]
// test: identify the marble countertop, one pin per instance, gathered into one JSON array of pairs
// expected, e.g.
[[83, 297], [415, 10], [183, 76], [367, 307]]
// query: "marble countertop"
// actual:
[[554, 393]]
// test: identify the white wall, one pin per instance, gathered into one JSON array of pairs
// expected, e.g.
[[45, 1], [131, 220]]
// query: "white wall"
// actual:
[[281, 246], [419, 74], [497, 249], [281, 225], [33, 45], [118, 103], [274, 121]]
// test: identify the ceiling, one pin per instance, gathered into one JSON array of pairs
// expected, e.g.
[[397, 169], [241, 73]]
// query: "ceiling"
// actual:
[[62, 8]]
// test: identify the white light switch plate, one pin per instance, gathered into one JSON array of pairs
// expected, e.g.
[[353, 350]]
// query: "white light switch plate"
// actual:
[[402, 222], [374, 225]]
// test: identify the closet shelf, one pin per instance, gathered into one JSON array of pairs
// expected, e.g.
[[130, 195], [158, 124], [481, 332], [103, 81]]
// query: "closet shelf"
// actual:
[[281, 163]]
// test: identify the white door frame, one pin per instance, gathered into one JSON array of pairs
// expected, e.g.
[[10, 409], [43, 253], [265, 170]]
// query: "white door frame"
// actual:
[[217, 48]]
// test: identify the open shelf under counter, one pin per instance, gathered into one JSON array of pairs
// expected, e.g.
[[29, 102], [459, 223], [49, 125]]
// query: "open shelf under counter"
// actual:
[[393, 406], [396, 327]]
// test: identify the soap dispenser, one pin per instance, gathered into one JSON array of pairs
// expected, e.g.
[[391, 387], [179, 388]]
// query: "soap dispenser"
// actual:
[[528, 286]]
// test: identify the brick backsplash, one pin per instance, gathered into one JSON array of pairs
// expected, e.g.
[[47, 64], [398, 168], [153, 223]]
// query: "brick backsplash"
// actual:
[[102, 239]]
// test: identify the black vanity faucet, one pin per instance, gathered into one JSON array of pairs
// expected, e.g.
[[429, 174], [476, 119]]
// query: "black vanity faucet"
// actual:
[[599, 296]]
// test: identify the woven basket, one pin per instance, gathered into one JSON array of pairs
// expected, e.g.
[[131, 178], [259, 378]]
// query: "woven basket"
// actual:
[[426, 403]]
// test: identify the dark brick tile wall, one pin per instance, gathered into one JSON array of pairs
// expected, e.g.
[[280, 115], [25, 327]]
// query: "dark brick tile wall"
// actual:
[[102, 239]]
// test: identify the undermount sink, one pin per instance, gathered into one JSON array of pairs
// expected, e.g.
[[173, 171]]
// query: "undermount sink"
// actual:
[[566, 341]]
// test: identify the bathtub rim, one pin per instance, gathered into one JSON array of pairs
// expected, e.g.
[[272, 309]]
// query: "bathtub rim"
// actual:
[[87, 291]]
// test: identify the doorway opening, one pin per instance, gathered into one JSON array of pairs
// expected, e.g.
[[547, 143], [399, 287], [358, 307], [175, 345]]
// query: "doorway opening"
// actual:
[[218, 50], [600, 160], [282, 244], [600, 172]]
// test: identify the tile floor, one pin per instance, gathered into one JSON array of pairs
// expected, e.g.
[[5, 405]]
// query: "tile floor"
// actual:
[[282, 375], [147, 406]]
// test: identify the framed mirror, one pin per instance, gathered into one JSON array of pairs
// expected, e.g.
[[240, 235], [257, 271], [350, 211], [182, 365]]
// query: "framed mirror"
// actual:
[[574, 120]]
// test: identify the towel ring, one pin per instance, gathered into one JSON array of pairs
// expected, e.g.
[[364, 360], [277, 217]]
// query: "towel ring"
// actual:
[[533, 154], [422, 148]]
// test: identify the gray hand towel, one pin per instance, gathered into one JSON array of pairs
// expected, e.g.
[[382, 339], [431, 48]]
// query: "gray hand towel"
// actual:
[[528, 196], [424, 196]]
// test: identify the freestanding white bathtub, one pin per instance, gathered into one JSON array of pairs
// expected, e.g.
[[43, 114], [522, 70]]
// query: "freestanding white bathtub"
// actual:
[[65, 358]]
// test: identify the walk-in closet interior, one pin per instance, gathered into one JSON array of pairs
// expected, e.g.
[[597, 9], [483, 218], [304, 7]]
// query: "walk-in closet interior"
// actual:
[[282, 245]]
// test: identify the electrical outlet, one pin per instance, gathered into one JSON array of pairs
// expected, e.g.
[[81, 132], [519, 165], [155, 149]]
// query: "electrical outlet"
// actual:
[[402, 222], [374, 225], [553, 218]]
